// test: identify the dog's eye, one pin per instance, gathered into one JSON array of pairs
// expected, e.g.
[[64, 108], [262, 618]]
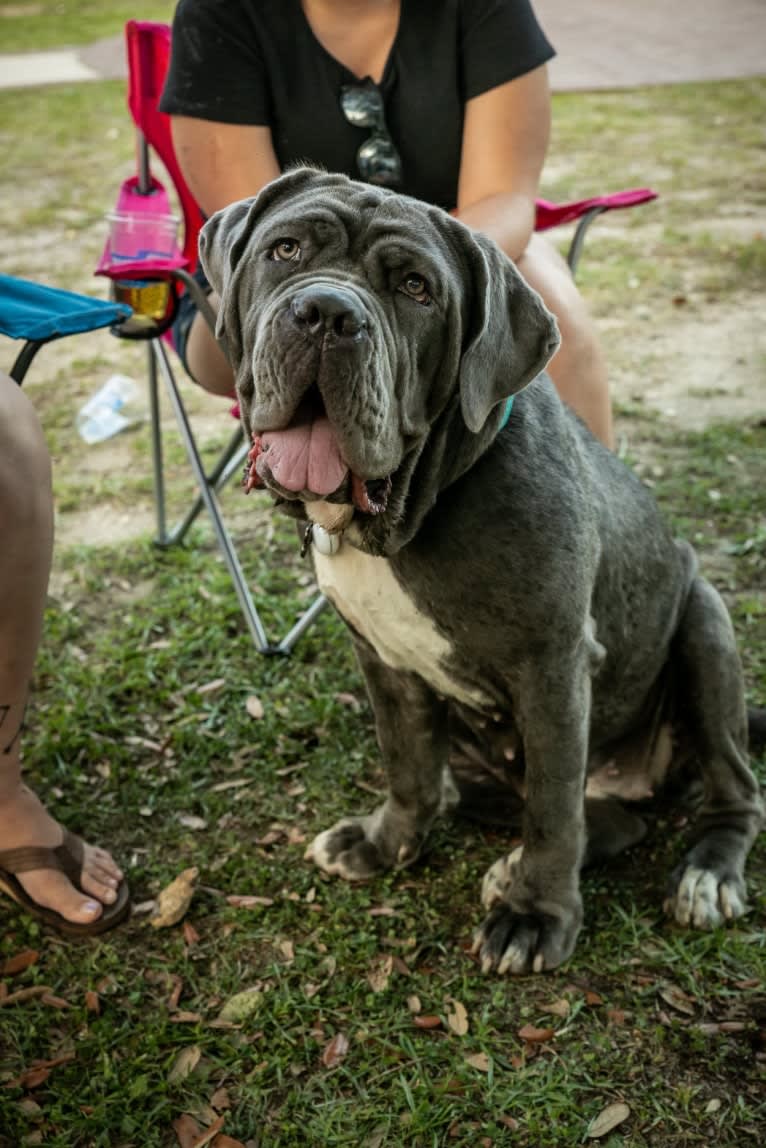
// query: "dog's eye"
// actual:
[[286, 251], [416, 287]]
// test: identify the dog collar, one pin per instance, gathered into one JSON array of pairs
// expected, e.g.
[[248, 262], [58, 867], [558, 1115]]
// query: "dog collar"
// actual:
[[329, 544], [507, 414]]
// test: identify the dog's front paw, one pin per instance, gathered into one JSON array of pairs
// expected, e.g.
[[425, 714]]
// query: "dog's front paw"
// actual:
[[703, 899], [511, 942], [346, 851]]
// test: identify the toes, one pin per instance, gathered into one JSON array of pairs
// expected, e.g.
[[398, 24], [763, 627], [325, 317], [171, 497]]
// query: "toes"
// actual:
[[703, 901], [99, 859], [106, 891], [52, 890], [344, 851]]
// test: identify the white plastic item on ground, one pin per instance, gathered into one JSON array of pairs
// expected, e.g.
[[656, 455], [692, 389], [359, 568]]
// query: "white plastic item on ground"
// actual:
[[110, 410]]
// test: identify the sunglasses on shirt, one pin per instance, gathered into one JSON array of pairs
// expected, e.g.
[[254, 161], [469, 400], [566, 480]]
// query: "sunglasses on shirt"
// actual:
[[377, 160]]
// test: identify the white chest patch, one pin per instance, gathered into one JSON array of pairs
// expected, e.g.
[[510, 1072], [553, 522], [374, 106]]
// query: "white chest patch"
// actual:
[[368, 596]]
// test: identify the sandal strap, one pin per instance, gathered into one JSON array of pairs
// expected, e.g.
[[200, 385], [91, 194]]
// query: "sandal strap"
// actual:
[[67, 858]]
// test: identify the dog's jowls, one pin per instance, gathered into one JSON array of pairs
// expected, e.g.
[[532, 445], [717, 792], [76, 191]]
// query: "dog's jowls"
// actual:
[[520, 610]]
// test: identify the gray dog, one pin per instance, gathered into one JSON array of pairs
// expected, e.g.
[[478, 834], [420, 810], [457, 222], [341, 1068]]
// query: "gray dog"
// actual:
[[518, 606]]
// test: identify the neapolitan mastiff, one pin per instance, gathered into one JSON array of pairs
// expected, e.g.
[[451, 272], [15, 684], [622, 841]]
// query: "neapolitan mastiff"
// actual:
[[515, 598]]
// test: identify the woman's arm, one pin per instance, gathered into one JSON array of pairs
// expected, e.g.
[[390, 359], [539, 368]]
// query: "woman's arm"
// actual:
[[223, 162], [505, 138]]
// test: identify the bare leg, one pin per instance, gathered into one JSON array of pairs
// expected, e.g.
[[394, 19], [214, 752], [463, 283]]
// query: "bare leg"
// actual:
[[578, 369], [26, 532]]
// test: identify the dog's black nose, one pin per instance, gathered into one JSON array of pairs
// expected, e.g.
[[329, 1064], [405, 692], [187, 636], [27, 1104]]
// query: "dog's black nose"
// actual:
[[321, 309]]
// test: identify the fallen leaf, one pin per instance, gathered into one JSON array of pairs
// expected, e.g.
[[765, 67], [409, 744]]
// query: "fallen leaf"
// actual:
[[220, 1100], [536, 1035], [185, 1017], [175, 992], [380, 973], [427, 1021], [241, 1005], [677, 998], [19, 962], [248, 900], [712, 1106], [413, 1004], [191, 936], [25, 994], [185, 1063], [607, 1119], [287, 949], [92, 1002], [560, 1007], [457, 1019], [222, 786], [191, 821], [254, 707], [54, 1001], [592, 998], [30, 1078], [212, 687], [616, 1015], [478, 1060], [174, 900], [335, 1050]]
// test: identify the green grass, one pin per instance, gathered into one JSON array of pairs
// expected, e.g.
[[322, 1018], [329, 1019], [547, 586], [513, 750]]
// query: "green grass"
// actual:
[[125, 734], [128, 743], [47, 24]]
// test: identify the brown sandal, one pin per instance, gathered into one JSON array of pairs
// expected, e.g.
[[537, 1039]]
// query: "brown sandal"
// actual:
[[68, 859]]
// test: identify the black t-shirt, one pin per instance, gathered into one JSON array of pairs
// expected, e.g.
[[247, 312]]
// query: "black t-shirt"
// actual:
[[259, 62]]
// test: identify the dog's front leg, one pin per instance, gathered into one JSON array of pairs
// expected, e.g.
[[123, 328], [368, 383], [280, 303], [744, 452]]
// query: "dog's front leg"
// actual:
[[411, 724], [533, 895]]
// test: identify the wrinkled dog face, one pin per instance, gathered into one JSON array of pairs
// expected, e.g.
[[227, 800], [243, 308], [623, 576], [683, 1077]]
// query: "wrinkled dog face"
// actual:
[[355, 319]]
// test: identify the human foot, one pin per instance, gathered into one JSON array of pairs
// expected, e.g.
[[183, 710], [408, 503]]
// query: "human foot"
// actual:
[[72, 885]]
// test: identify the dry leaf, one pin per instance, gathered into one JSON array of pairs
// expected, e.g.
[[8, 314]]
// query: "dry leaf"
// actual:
[[677, 999], [212, 687], [254, 707], [19, 962], [92, 1002], [287, 949], [248, 901], [458, 1018], [174, 900], [334, 1052], [592, 998], [413, 1004], [241, 1005], [478, 1060], [220, 1100], [54, 1001], [191, 821], [191, 936], [712, 1106], [427, 1021], [185, 1063], [608, 1119], [536, 1035], [380, 973], [560, 1007]]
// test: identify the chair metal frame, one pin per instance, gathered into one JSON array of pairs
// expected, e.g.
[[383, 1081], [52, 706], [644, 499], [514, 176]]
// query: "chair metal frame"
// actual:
[[148, 48]]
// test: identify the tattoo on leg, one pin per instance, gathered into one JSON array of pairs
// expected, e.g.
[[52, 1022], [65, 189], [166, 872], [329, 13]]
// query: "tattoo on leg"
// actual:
[[4, 712]]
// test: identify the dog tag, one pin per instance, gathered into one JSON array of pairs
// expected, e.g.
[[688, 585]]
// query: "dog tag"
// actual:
[[325, 543]]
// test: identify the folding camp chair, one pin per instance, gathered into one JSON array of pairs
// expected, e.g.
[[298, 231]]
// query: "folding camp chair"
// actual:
[[37, 315], [148, 50]]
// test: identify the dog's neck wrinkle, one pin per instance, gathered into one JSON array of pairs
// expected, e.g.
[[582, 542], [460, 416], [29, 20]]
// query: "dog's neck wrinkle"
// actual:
[[447, 452]]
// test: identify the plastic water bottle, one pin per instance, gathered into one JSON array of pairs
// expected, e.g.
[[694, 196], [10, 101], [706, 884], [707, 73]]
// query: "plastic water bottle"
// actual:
[[110, 410]]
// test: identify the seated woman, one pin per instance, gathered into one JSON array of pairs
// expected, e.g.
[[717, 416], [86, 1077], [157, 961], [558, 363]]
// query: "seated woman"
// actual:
[[60, 879], [446, 102]]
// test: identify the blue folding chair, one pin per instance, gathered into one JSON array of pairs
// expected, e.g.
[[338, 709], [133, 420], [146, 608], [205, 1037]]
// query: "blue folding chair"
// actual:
[[39, 314]]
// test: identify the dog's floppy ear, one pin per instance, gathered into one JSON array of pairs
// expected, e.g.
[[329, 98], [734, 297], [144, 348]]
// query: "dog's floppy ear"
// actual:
[[223, 242], [514, 334]]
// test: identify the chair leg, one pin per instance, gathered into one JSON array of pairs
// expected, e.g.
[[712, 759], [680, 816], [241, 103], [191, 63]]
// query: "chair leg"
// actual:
[[228, 464], [578, 239], [162, 538], [252, 618]]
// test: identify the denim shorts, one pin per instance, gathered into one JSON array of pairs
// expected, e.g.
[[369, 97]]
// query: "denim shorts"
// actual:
[[181, 325]]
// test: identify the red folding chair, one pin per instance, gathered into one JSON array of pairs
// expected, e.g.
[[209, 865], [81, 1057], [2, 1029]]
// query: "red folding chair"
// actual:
[[153, 288]]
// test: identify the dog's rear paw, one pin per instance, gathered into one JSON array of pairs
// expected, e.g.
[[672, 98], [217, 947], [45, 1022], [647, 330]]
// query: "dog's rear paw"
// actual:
[[511, 942], [704, 900], [346, 851]]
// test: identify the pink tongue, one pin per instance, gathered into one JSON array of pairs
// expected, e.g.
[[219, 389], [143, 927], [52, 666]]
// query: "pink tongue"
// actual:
[[305, 457]]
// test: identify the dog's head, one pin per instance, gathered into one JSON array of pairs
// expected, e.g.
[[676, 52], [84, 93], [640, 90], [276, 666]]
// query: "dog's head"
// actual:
[[361, 324]]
